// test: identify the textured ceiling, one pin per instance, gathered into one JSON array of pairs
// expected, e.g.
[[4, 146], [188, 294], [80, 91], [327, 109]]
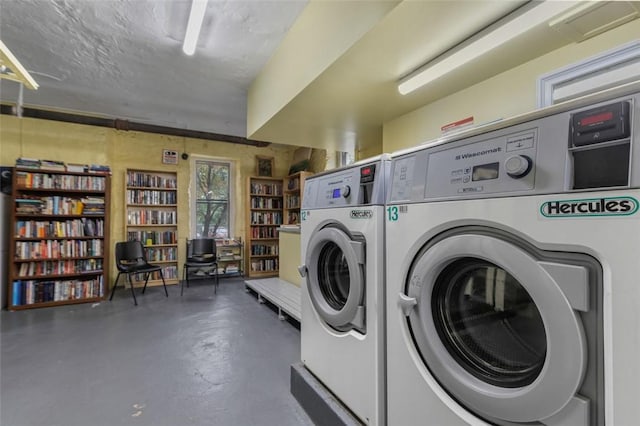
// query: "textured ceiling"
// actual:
[[124, 58]]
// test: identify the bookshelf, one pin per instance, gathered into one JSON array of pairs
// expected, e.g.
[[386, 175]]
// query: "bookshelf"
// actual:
[[230, 257], [59, 244], [151, 206], [293, 188], [264, 216]]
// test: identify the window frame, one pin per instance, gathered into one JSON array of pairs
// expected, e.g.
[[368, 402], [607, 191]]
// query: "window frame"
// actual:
[[195, 159], [608, 69]]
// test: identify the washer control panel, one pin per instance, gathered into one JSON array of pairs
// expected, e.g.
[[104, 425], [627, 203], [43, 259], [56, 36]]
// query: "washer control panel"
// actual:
[[499, 164], [360, 184], [336, 190], [586, 144]]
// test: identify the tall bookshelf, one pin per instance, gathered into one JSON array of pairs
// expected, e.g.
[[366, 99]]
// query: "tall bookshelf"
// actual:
[[264, 216], [293, 189], [59, 244], [151, 206]]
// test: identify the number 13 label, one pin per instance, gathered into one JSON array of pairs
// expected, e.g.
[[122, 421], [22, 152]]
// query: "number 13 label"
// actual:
[[392, 213]]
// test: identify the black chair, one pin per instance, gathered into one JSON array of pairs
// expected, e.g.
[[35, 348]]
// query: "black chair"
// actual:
[[202, 255], [131, 260]]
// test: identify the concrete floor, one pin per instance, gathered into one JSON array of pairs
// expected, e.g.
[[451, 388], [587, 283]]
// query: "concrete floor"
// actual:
[[200, 359]]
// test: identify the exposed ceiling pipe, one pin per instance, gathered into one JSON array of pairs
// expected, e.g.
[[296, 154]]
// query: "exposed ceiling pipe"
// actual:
[[126, 125], [20, 100]]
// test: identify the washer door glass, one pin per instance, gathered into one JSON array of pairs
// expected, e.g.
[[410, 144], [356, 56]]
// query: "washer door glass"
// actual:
[[335, 278], [489, 323], [333, 275]]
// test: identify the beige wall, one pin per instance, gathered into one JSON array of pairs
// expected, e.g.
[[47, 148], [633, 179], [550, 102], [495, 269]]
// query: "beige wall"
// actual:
[[307, 50], [290, 253], [510, 93], [75, 143]]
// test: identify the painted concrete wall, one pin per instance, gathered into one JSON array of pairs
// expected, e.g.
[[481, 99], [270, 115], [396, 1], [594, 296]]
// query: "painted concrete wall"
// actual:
[[120, 150], [510, 93]]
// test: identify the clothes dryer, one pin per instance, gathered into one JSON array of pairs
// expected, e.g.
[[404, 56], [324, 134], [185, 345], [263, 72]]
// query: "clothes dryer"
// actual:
[[342, 327], [512, 265]]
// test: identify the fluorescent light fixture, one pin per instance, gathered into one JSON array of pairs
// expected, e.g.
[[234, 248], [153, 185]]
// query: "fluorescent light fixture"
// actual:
[[12, 69], [485, 43], [198, 7]]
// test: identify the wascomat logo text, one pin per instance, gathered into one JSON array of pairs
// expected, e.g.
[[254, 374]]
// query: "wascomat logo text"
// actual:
[[478, 153], [361, 214], [612, 206]]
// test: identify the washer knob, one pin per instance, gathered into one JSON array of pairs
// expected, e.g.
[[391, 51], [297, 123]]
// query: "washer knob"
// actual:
[[346, 191], [518, 166]]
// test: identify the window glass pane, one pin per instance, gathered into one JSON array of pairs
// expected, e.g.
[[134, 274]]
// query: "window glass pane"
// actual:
[[212, 199]]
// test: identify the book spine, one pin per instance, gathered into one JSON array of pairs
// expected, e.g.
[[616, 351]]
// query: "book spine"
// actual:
[[15, 293]]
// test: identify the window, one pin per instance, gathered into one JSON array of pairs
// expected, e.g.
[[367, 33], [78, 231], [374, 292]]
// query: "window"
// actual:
[[211, 205], [611, 68]]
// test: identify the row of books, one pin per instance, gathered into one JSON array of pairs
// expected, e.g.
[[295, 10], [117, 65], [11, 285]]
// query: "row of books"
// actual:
[[31, 180], [264, 232], [52, 228], [161, 254], [266, 203], [151, 217], [150, 181], [93, 206], [170, 272], [150, 238], [58, 249], [29, 205], [59, 205], [60, 267], [54, 165], [266, 218], [293, 202], [264, 265], [31, 291], [266, 189], [264, 250], [145, 196]]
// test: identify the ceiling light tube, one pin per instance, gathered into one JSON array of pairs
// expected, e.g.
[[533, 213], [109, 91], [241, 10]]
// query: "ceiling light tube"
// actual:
[[12, 69], [485, 43], [198, 7]]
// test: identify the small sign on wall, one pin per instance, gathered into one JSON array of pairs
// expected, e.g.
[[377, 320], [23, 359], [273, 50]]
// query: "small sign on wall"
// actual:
[[169, 157], [457, 125]]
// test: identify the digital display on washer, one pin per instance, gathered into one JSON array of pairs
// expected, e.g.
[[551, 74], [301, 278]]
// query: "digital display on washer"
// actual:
[[336, 193], [485, 172]]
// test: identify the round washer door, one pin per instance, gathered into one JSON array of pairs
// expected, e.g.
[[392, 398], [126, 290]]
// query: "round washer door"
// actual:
[[495, 328], [335, 278]]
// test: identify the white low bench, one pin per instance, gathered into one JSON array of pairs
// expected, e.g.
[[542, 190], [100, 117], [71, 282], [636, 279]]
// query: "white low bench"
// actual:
[[284, 295]]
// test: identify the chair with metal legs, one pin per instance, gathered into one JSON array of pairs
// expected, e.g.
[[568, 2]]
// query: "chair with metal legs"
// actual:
[[201, 255], [131, 260]]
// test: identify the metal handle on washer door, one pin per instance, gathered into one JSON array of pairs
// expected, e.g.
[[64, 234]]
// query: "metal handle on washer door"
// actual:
[[406, 303], [302, 270]]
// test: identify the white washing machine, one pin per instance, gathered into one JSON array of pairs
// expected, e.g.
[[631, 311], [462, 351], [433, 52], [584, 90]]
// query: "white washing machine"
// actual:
[[513, 295], [342, 327]]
